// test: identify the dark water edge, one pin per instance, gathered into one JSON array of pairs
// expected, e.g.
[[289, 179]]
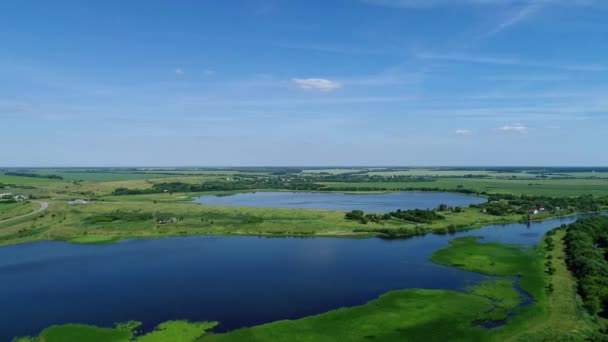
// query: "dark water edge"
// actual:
[[381, 202], [238, 281]]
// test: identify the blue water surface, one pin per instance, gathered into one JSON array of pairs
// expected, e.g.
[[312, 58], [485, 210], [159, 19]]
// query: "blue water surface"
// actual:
[[381, 202], [239, 281]]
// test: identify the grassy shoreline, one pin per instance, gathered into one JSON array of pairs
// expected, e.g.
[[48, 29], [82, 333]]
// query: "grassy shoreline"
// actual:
[[62, 222]]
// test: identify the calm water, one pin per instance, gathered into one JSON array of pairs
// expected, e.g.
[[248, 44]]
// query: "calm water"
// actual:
[[384, 202], [239, 281]]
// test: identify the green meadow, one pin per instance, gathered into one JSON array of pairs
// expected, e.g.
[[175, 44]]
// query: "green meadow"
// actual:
[[109, 218], [546, 187], [8, 210]]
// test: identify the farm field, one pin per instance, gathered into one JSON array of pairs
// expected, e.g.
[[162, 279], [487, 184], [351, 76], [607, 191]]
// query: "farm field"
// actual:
[[128, 216]]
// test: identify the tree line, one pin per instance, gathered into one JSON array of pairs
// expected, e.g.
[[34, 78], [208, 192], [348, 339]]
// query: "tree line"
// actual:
[[587, 252], [414, 215], [34, 175], [505, 204]]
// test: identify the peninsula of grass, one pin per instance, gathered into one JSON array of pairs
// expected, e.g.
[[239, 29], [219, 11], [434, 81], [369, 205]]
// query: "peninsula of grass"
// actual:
[[495, 259], [175, 331]]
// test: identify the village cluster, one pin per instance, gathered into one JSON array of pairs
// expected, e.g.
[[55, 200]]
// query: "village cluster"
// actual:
[[10, 196]]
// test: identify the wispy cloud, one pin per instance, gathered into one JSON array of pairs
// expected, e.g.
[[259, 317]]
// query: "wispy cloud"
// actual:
[[514, 128], [507, 61], [517, 11], [467, 58], [316, 84], [463, 132], [179, 71], [518, 16]]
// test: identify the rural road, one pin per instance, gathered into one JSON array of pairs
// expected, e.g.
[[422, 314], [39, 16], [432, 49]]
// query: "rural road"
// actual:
[[43, 206]]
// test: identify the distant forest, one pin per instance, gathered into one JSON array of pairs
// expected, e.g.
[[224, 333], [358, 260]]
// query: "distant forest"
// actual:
[[34, 175]]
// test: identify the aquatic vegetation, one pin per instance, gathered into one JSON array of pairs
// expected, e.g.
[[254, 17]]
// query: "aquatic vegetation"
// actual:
[[175, 331]]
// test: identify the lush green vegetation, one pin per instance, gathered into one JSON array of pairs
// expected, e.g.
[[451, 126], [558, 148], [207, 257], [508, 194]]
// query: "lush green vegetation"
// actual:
[[162, 205], [495, 259], [10, 209], [178, 331], [587, 250], [412, 216], [238, 183]]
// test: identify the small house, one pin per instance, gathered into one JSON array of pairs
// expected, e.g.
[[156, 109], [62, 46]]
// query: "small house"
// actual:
[[167, 221], [533, 211], [20, 198]]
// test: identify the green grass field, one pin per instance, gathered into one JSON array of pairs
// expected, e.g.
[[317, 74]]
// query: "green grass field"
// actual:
[[73, 223], [548, 187], [8, 210]]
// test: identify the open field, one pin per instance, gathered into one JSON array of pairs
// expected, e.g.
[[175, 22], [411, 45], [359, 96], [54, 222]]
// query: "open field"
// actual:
[[548, 187], [117, 217], [79, 223], [8, 210]]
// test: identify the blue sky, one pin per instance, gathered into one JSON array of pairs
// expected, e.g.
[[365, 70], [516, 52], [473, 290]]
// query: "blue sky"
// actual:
[[269, 82]]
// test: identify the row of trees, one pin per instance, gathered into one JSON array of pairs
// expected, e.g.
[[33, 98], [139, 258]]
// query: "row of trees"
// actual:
[[241, 184], [587, 252], [505, 204], [415, 215], [34, 175]]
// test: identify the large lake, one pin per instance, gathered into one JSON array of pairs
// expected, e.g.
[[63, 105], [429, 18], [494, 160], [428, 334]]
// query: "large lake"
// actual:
[[383, 202], [239, 281]]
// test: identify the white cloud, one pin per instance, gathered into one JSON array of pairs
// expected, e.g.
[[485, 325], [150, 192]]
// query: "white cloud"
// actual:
[[515, 128], [208, 72], [316, 84], [463, 132], [179, 71], [515, 18]]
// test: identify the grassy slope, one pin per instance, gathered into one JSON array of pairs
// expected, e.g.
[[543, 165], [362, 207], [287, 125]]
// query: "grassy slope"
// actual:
[[8, 210], [562, 316]]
